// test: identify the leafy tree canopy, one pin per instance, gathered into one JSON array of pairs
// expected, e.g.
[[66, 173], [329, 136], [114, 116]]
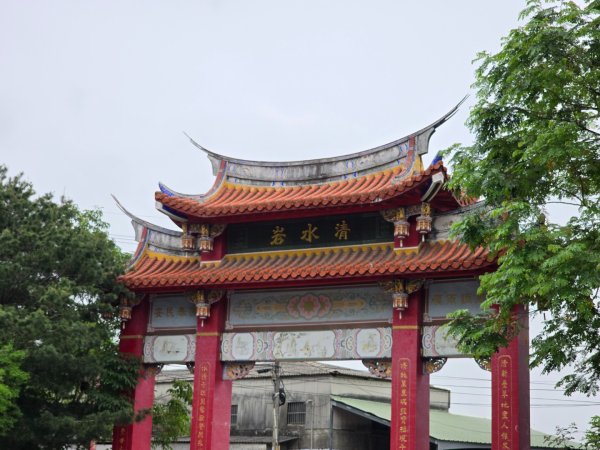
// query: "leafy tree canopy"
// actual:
[[171, 418], [537, 143], [565, 437], [11, 380], [62, 379]]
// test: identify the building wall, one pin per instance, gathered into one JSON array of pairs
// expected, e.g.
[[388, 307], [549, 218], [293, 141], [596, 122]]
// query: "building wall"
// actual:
[[245, 447], [348, 431], [255, 410], [439, 399]]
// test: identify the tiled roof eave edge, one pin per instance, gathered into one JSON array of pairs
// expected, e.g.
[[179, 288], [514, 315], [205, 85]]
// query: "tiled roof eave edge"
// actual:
[[200, 198], [245, 162], [282, 278], [216, 213], [145, 224]]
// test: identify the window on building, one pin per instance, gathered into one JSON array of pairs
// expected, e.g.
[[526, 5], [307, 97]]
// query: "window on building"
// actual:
[[234, 413], [296, 413]]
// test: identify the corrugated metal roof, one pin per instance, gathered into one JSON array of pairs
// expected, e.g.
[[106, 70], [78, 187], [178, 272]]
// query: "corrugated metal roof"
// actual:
[[378, 409], [288, 369], [258, 439], [443, 425], [313, 368]]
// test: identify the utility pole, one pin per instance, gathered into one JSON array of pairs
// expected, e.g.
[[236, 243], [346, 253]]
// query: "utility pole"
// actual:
[[312, 420], [276, 402]]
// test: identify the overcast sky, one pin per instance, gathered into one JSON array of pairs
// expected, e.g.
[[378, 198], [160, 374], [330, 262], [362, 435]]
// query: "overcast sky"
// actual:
[[95, 95]]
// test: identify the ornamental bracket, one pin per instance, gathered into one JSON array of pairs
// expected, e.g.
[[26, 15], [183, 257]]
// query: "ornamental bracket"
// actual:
[[484, 363], [126, 306], [398, 218], [424, 221], [153, 369], [432, 365], [200, 236], [399, 295], [381, 368], [237, 371], [414, 285], [400, 290], [203, 299]]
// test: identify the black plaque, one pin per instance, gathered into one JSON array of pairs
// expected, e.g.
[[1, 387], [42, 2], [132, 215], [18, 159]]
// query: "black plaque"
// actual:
[[350, 229]]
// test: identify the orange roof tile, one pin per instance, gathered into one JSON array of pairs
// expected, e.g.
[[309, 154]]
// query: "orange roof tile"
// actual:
[[231, 199], [157, 271]]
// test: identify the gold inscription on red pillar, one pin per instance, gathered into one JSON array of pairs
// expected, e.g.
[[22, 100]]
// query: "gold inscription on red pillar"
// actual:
[[121, 438], [203, 387], [505, 418], [403, 403]]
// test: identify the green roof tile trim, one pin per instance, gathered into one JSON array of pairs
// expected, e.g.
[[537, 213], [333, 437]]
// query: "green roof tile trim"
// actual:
[[377, 409], [444, 426]]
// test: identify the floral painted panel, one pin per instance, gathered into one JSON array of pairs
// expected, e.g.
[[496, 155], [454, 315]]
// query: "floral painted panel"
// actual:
[[362, 304], [358, 343], [437, 343], [169, 349]]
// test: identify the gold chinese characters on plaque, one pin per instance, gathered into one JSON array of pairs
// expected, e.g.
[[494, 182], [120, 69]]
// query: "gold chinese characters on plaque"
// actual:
[[309, 234], [278, 236], [342, 230]]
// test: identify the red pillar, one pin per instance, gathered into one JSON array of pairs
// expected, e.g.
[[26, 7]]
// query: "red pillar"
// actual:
[[211, 408], [410, 385], [510, 392], [138, 435]]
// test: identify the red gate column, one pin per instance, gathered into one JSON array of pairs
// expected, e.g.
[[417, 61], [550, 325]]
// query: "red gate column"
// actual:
[[138, 435], [510, 392], [410, 385], [211, 408]]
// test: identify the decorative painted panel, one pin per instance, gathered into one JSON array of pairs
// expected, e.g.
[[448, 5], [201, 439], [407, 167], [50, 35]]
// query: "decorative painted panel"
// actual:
[[309, 233], [436, 343], [169, 349], [307, 345], [365, 304], [448, 296], [169, 312]]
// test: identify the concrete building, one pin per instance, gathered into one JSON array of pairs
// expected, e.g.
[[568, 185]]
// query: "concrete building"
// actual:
[[329, 407]]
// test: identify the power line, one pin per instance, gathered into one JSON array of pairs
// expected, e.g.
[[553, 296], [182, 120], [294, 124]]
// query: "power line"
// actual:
[[576, 403]]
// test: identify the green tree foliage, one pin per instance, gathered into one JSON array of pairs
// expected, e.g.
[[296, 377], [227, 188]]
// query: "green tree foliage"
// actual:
[[58, 271], [171, 419], [537, 143], [565, 436], [592, 435], [11, 380]]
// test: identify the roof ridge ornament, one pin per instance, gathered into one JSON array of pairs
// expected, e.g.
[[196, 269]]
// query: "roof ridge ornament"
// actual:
[[432, 125], [143, 222], [317, 171]]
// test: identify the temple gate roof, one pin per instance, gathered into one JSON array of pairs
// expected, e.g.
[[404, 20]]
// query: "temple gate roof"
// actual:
[[159, 271], [325, 170], [374, 191], [379, 179], [253, 188]]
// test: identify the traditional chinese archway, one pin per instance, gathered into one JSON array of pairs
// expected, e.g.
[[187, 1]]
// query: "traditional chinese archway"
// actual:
[[337, 258]]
